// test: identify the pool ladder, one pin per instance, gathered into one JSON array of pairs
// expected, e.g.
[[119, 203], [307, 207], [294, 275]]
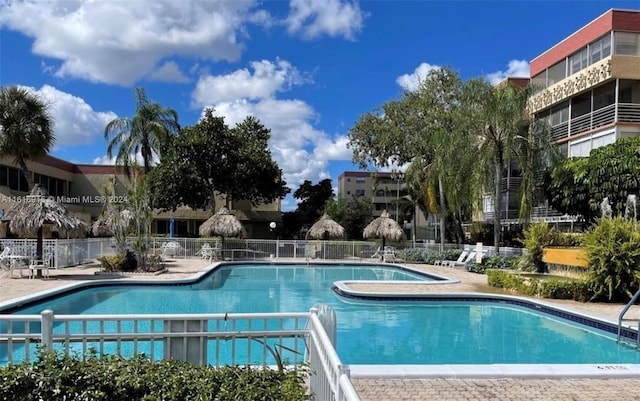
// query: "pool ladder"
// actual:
[[622, 319]]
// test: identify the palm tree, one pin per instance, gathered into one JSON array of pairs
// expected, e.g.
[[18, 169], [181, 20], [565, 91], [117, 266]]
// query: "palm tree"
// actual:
[[149, 132], [26, 127], [504, 132]]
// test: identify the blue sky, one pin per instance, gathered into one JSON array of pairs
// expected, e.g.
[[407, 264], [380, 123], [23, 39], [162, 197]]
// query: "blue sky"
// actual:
[[306, 68]]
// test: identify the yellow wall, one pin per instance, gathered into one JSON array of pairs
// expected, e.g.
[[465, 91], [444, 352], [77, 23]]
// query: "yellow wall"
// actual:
[[565, 256]]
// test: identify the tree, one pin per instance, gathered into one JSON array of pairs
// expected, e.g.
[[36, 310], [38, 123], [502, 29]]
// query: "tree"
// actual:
[[423, 127], [313, 199], [497, 116], [209, 158], [353, 214], [149, 132], [578, 185], [26, 128]]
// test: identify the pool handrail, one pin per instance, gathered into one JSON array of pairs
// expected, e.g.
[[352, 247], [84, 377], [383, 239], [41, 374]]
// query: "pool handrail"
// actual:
[[622, 319]]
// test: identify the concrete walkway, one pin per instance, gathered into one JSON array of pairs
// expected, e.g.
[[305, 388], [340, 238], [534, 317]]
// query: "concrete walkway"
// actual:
[[507, 389]]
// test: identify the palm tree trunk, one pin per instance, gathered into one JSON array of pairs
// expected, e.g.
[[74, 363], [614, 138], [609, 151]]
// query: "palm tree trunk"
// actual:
[[26, 173], [496, 203], [443, 213]]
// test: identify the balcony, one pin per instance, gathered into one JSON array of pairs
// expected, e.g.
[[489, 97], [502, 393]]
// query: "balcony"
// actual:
[[627, 112]]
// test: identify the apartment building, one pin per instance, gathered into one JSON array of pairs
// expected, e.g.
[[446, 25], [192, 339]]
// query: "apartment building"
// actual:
[[386, 190], [589, 84], [587, 90], [80, 187]]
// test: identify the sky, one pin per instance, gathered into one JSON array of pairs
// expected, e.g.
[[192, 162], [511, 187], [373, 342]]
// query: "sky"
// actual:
[[307, 69]]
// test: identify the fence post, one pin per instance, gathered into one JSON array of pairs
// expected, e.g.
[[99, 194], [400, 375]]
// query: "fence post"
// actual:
[[47, 328]]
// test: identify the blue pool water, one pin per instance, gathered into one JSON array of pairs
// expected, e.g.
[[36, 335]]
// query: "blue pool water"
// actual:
[[369, 332]]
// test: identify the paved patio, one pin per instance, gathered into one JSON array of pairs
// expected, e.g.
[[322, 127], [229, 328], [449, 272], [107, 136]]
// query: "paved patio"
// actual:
[[507, 389]]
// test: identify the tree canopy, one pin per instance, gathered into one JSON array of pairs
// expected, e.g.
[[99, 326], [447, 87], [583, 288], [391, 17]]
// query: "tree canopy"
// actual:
[[26, 127], [149, 131], [578, 185], [209, 158]]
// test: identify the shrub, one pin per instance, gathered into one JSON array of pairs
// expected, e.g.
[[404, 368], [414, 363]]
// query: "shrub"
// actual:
[[613, 257], [537, 236], [491, 262], [577, 290], [54, 377], [556, 288], [121, 262]]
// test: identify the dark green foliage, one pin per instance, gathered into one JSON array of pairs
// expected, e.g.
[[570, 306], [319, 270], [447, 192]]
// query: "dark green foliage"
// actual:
[[543, 286], [492, 262], [536, 237], [613, 255], [428, 256], [57, 378], [578, 185], [210, 157], [353, 214], [121, 262]]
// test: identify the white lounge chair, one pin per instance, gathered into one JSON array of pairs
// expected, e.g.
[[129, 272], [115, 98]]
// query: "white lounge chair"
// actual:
[[453, 263], [445, 262]]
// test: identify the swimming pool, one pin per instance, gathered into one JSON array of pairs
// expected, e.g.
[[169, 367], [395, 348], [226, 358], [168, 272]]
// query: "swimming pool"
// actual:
[[445, 330]]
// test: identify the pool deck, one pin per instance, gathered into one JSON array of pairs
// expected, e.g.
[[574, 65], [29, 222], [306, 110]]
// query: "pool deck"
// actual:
[[451, 389]]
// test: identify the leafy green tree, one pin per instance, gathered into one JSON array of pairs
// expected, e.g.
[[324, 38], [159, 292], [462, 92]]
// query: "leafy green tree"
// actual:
[[353, 214], [423, 127], [567, 188], [578, 185], [149, 132], [26, 127], [313, 199], [209, 158], [504, 133]]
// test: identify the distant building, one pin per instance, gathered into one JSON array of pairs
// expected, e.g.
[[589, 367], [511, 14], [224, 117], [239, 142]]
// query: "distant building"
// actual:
[[386, 191], [80, 188]]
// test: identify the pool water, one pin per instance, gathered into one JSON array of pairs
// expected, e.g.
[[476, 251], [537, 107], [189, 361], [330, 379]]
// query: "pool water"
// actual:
[[369, 332]]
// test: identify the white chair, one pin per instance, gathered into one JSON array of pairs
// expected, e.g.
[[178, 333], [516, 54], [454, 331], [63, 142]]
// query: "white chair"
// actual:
[[445, 262], [5, 262], [43, 265], [453, 263]]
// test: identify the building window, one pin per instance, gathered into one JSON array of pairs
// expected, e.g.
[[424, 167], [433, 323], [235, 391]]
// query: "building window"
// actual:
[[627, 43], [600, 49], [361, 180], [557, 73], [360, 192], [629, 91], [487, 204], [578, 61]]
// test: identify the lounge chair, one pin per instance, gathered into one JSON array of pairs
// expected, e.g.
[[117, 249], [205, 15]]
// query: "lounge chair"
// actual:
[[44, 265], [470, 257], [445, 262]]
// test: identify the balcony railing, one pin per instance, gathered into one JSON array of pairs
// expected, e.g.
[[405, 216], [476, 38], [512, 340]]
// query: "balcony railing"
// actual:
[[627, 112]]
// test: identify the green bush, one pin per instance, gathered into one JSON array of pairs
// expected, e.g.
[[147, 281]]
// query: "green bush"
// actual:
[[121, 262], [613, 257], [537, 236], [554, 288], [56, 378], [428, 256], [492, 262]]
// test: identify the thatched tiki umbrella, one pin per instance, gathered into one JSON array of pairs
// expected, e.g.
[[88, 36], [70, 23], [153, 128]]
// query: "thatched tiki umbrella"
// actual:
[[384, 227], [223, 224], [100, 228], [325, 228], [29, 217]]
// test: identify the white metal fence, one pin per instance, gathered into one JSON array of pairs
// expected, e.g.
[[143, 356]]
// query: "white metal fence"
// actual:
[[72, 252], [202, 339]]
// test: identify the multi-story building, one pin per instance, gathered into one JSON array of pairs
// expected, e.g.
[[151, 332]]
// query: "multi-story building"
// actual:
[[587, 90], [387, 191], [80, 187], [589, 84]]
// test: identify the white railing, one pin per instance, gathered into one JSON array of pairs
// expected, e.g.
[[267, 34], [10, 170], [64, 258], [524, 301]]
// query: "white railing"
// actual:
[[629, 112], [211, 339]]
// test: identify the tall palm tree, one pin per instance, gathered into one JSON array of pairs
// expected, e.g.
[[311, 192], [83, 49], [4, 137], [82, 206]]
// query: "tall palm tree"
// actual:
[[503, 129], [149, 131], [26, 127]]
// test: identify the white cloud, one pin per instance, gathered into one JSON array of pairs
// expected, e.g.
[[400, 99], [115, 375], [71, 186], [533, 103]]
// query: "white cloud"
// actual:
[[75, 121], [122, 41], [411, 82], [169, 72], [315, 18], [301, 150], [516, 68], [267, 79]]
